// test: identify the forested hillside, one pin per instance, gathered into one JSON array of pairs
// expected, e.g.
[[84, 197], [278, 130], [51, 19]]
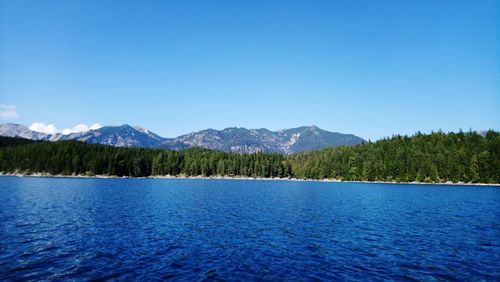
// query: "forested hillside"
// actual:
[[436, 157]]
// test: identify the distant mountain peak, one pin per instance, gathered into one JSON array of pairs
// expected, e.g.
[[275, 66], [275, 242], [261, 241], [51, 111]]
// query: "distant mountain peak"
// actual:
[[242, 140], [19, 130], [141, 129], [230, 139]]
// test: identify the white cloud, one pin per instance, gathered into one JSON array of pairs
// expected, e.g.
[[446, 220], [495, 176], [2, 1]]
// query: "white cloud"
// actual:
[[8, 112], [95, 126], [81, 128], [43, 128], [52, 129], [77, 128]]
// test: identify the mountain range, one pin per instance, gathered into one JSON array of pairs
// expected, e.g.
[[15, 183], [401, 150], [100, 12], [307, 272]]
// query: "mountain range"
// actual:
[[233, 139]]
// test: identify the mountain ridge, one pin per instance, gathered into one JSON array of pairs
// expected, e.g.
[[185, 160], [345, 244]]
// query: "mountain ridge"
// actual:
[[230, 139]]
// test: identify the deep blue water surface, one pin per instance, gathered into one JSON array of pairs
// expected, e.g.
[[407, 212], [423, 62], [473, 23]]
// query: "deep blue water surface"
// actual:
[[143, 229]]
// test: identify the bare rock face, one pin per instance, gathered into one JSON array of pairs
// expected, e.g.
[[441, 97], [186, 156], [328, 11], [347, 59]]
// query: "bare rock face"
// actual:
[[244, 140]]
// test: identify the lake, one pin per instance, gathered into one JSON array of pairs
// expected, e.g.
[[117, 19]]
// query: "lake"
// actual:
[[143, 229]]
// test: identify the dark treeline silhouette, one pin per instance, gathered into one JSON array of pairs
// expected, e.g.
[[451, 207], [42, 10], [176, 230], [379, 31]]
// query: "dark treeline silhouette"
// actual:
[[436, 157], [73, 157]]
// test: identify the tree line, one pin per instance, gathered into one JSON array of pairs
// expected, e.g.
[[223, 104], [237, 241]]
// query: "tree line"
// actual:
[[79, 158], [435, 157]]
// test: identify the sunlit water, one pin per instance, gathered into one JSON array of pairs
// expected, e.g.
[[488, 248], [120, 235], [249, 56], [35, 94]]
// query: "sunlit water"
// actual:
[[142, 229]]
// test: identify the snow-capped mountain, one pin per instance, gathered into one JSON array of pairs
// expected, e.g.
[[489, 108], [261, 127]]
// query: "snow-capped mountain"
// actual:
[[233, 139], [19, 130], [119, 136]]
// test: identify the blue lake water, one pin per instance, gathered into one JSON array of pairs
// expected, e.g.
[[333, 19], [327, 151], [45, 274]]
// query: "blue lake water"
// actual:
[[143, 229]]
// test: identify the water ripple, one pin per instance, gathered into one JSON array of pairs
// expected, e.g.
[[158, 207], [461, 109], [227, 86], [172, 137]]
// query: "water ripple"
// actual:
[[209, 230]]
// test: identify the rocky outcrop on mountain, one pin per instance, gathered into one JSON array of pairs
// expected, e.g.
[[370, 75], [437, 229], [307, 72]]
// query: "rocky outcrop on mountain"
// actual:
[[233, 139]]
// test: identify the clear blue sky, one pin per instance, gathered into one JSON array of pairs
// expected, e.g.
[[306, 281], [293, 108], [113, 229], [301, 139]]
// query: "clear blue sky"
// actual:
[[372, 68]]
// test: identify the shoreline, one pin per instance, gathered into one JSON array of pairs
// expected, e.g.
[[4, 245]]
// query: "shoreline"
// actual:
[[48, 175]]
